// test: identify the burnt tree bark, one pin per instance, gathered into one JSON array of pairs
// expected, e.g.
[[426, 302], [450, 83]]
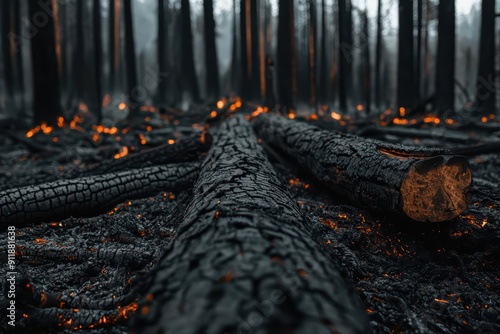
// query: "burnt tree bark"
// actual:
[[131, 65], [211, 63], [46, 88], [89, 195], [287, 84], [422, 184], [345, 55], [188, 79], [98, 57], [418, 60], [114, 43], [445, 62], [378, 58], [366, 73], [249, 37], [405, 93], [162, 56], [323, 64], [485, 90], [243, 258]]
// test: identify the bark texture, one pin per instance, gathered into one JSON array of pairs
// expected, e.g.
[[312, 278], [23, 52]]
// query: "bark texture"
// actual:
[[422, 184], [243, 260], [89, 195]]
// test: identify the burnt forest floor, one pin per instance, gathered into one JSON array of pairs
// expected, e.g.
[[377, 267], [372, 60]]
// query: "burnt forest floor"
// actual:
[[412, 277]]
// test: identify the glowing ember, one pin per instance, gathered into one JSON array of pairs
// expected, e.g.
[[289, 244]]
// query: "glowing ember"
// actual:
[[484, 119], [449, 121], [122, 106], [291, 115], [142, 139], [444, 301], [359, 107], [60, 122], [220, 104], [123, 152], [336, 116], [213, 114], [400, 121], [402, 111], [431, 119], [171, 141]]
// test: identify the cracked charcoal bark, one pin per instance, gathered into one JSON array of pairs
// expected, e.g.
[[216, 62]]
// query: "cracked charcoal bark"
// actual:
[[422, 184], [90, 195], [243, 260]]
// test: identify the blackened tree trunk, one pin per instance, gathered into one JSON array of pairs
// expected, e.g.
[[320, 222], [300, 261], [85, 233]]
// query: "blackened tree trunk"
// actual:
[[405, 93], [485, 90], [161, 94], [235, 80], [243, 259], [312, 50], [46, 88], [134, 91], [114, 43], [211, 62], [8, 46], [346, 52], [445, 63], [98, 57], [422, 184], [287, 85], [323, 64], [366, 74], [249, 37], [189, 78], [78, 71], [427, 53], [378, 58], [418, 60]]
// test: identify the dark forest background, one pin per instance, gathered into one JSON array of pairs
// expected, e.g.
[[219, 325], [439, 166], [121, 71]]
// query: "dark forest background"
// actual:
[[113, 58]]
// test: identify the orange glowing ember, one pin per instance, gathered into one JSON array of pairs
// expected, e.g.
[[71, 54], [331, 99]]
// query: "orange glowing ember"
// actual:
[[400, 121], [402, 112], [484, 119], [60, 122], [213, 114], [123, 152], [220, 104], [122, 106], [336, 116], [142, 139], [291, 115], [431, 119], [359, 107], [171, 141], [449, 121]]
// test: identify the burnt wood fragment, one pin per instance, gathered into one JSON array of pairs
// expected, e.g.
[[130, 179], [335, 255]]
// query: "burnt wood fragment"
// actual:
[[243, 259], [419, 183], [90, 195]]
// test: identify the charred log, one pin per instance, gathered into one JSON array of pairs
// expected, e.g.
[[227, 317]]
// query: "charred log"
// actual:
[[422, 184], [243, 258], [89, 195]]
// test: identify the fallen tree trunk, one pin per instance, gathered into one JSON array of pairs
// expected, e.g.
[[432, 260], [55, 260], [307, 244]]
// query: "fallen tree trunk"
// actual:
[[422, 184], [90, 195], [243, 260]]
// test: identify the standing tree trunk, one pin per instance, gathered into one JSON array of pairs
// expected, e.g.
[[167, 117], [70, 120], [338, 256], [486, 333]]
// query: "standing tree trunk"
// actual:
[[133, 90], [485, 90], [427, 53], [188, 71], [405, 93], [418, 60], [249, 32], [114, 43], [312, 43], [323, 65], [445, 63], [161, 94], [211, 62], [8, 46], [235, 79], [286, 55], [378, 58], [46, 89], [367, 80], [98, 58], [346, 45]]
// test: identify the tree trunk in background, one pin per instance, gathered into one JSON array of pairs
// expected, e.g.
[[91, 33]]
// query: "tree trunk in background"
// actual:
[[9, 48], [249, 32], [98, 58], [312, 39], [485, 90], [78, 68], [405, 93], [114, 43], [46, 89], [235, 80], [323, 64], [367, 87], [134, 92], [418, 60], [188, 73], [211, 62], [346, 46], [286, 55], [378, 58], [445, 63], [19, 58], [427, 56], [162, 90]]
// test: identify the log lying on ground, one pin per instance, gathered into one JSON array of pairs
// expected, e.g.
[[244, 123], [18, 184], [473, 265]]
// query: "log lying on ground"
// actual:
[[422, 184], [242, 260], [90, 195]]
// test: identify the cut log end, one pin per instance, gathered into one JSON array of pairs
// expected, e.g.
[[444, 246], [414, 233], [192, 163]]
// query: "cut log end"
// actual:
[[436, 189]]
